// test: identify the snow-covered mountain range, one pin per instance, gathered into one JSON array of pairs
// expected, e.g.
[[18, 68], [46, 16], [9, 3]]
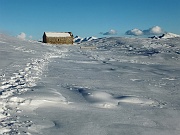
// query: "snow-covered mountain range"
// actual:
[[78, 39], [166, 36], [127, 86]]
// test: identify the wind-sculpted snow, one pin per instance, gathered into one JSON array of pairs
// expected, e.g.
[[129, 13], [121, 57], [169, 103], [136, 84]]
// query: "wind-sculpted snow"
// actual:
[[107, 100], [131, 49], [106, 86]]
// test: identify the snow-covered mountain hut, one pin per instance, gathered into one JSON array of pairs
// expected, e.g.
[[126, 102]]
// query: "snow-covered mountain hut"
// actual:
[[58, 37]]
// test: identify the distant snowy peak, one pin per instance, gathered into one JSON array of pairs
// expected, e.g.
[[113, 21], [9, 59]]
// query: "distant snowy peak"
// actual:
[[89, 38], [166, 35], [78, 39], [169, 35]]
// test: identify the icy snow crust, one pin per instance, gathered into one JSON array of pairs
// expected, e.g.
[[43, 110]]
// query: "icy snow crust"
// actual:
[[124, 86]]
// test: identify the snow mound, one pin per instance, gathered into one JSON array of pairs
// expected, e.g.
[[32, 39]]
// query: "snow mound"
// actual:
[[78, 39]]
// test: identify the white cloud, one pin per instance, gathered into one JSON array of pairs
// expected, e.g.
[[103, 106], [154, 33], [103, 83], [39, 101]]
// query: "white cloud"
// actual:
[[156, 30], [22, 35], [135, 32], [111, 32], [30, 37]]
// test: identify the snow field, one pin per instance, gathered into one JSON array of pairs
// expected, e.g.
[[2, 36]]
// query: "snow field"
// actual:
[[18, 83], [124, 86]]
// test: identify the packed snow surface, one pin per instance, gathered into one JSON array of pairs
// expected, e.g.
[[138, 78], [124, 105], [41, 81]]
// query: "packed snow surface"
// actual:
[[57, 34], [107, 86]]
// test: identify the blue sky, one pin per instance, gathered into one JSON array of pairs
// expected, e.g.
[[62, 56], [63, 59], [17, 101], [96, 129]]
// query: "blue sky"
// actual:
[[87, 17]]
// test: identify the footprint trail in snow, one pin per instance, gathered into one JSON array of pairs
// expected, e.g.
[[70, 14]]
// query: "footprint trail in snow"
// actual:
[[20, 82]]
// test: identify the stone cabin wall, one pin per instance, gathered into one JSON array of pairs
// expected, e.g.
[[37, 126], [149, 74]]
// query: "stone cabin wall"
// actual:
[[58, 40]]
